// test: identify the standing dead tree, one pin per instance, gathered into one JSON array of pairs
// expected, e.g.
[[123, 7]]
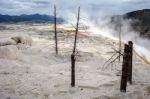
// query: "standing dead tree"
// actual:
[[125, 67], [130, 61], [119, 39], [55, 30], [73, 54], [116, 51]]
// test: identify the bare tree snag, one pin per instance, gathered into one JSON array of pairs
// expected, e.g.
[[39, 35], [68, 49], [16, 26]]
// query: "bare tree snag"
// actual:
[[130, 61], [55, 28], [73, 54], [125, 66], [76, 33], [119, 39], [72, 70]]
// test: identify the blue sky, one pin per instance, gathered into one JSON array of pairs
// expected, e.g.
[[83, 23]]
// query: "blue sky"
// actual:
[[93, 7]]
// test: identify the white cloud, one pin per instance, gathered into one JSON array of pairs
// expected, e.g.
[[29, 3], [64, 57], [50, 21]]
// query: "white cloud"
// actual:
[[96, 7]]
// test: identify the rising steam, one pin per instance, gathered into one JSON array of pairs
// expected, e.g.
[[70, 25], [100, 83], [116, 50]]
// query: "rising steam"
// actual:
[[105, 27], [97, 16]]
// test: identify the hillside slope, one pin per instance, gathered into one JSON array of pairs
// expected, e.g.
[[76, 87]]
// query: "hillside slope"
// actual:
[[142, 21]]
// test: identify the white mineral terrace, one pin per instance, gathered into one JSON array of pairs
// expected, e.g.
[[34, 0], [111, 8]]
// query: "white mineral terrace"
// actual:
[[31, 70]]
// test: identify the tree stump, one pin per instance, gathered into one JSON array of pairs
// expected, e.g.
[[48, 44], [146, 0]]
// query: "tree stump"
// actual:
[[72, 70], [125, 67], [130, 61]]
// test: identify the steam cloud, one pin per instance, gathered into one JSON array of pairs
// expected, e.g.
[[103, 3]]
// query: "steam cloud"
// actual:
[[105, 27], [99, 23]]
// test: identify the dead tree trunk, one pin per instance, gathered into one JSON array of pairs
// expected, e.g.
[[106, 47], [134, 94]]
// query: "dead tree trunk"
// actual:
[[130, 61], [119, 40], [125, 69], [72, 70], [73, 54], [55, 28], [76, 33]]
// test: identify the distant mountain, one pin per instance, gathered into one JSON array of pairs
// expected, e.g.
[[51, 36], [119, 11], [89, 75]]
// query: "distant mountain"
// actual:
[[141, 21], [28, 18]]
